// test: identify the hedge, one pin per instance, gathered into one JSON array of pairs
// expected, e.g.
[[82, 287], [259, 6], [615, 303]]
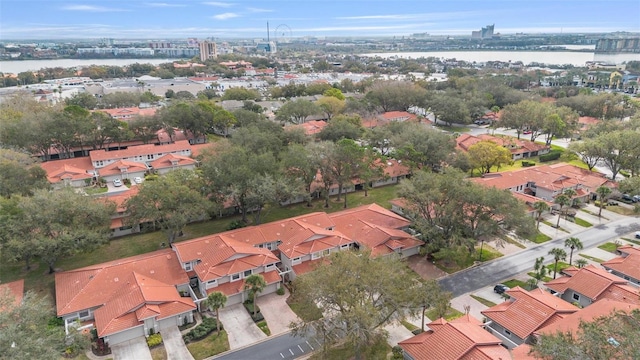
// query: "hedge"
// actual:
[[154, 340], [201, 331], [552, 155]]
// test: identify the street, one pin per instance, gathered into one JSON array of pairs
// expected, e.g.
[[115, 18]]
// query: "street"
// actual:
[[284, 346], [506, 267]]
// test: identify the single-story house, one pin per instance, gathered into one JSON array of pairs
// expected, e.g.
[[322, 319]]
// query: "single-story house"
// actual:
[[626, 266]]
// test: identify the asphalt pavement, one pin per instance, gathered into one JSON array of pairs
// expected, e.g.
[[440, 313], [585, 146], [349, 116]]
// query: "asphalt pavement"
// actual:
[[281, 347], [508, 266]]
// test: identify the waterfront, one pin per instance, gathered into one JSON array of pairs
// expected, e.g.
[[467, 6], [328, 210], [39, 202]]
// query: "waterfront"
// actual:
[[18, 66], [575, 58]]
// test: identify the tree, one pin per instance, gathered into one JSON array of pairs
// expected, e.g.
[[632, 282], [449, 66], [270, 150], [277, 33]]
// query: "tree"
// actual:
[[420, 147], [450, 108], [25, 334], [19, 174], [58, 224], [334, 92], [395, 95], [487, 154], [589, 151], [214, 302], [170, 202], [342, 127], [558, 254], [572, 243], [613, 336], [254, 284], [299, 167], [330, 105], [562, 200], [362, 294], [539, 270], [321, 154], [241, 93], [346, 160], [630, 185], [580, 263], [296, 111], [603, 192], [84, 100], [540, 207]]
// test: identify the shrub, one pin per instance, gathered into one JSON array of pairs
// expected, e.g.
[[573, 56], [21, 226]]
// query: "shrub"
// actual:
[[249, 306], [201, 331], [526, 163], [416, 331], [397, 352], [236, 224], [154, 340], [280, 291], [257, 317], [552, 155]]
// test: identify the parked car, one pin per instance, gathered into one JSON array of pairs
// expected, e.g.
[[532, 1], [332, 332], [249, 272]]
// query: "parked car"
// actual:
[[117, 183], [627, 198], [637, 234], [500, 288], [482, 122], [137, 180], [527, 132], [636, 198]]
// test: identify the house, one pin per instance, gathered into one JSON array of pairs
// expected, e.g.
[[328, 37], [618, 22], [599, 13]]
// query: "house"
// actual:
[[590, 284], [586, 122], [172, 162], [393, 171], [520, 149], [126, 298], [626, 266], [515, 320], [119, 226], [221, 263], [398, 116], [74, 172], [141, 154], [122, 169], [14, 289], [312, 127], [128, 113], [459, 339]]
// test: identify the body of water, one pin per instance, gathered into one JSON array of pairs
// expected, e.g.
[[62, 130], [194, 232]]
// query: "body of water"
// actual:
[[18, 66], [527, 57]]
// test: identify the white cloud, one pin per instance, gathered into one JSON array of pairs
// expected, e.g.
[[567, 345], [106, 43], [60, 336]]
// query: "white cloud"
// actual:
[[91, 8], [161, 4], [218, 4], [225, 16], [423, 16], [258, 10]]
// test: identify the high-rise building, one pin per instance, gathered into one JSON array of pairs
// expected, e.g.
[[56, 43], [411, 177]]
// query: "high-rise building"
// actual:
[[484, 33], [208, 50]]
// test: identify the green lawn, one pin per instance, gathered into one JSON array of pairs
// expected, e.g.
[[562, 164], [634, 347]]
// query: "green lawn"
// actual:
[[264, 327], [610, 247], [622, 210], [409, 325], [209, 346], [582, 222], [553, 225], [633, 241], [539, 238], [450, 315], [483, 301], [450, 266], [544, 279], [592, 258], [561, 266], [453, 129], [513, 242], [515, 282], [38, 279], [306, 311]]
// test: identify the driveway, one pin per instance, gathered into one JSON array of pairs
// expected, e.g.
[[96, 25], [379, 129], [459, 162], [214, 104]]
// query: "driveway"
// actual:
[[277, 312], [135, 349], [241, 330], [174, 345]]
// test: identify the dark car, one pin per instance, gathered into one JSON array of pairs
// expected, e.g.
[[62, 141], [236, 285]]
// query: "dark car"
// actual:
[[627, 198], [500, 288]]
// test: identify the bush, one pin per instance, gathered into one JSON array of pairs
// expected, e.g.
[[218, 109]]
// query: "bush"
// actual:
[[154, 340], [280, 291], [397, 352], [526, 163], [201, 331], [257, 317], [236, 224], [417, 331], [249, 306], [552, 155]]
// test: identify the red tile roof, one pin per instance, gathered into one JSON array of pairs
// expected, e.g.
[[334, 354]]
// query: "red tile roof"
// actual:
[[140, 150], [121, 167], [628, 265], [463, 338], [235, 287], [398, 116], [71, 169], [309, 266], [596, 283], [15, 289], [515, 146], [527, 311], [130, 112], [312, 127], [93, 286], [172, 160]]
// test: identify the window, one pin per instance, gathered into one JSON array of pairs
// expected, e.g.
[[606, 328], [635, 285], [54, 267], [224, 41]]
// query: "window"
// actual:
[[315, 255], [248, 272], [344, 247], [507, 332], [326, 252], [576, 296], [296, 260], [188, 267], [84, 314], [269, 267], [235, 277], [212, 283]]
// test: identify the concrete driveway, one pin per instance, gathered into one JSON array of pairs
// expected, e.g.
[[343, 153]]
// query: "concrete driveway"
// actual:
[[174, 345], [277, 312], [135, 349], [241, 330]]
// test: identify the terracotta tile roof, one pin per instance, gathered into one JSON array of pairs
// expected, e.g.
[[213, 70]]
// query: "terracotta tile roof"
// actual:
[[628, 265], [462, 339], [587, 122], [594, 283], [394, 168], [93, 286], [398, 116], [235, 287], [514, 145], [121, 167], [308, 266], [521, 352], [312, 127], [121, 198], [72, 169], [140, 150], [137, 298], [15, 289], [373, 213], [571, 323], [527, 311], [129, 112], [628, 250], [171, 160], [199, 149], [220, 255]]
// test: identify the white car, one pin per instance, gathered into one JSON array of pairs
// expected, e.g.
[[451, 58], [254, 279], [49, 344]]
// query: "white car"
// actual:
[[137, 180], [117, 183]]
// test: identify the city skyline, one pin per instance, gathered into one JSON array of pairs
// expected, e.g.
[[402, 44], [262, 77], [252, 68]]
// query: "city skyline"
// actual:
[[38, 19]]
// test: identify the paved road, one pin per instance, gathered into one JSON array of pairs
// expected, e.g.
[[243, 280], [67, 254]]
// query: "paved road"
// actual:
[[280, 347], [506, 267]]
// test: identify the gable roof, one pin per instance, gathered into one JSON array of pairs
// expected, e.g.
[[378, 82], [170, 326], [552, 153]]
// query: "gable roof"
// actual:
[[93, 286], [312, 127], [171, 160], [571, 323], [139, 297], [140, 150], [71, 169], [121, 167], [628, 265], [463, 338], [514, 145], [527, 311], [595, 283]]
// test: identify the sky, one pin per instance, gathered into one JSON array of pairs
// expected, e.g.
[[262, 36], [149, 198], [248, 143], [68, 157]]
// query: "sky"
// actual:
[[167, 19]]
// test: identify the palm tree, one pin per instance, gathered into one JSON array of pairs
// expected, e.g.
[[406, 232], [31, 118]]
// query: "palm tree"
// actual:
[[214, 302], [603, 192], [570, 194], [572, 243], [558, 254], [580, 263], [540, 207], [562, 200], [539, 270], [255, 284]]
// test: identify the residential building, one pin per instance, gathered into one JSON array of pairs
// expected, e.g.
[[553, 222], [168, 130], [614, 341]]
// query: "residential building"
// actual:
[[590, 284], [128, 113], [142, 154], [74, 172], [172, 162], [461, 339], [119, 226], [398, 116], [520, 149], [126, 298], [14, 289], [515, 320], [626, 266], [208, 50], [122, 169]]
